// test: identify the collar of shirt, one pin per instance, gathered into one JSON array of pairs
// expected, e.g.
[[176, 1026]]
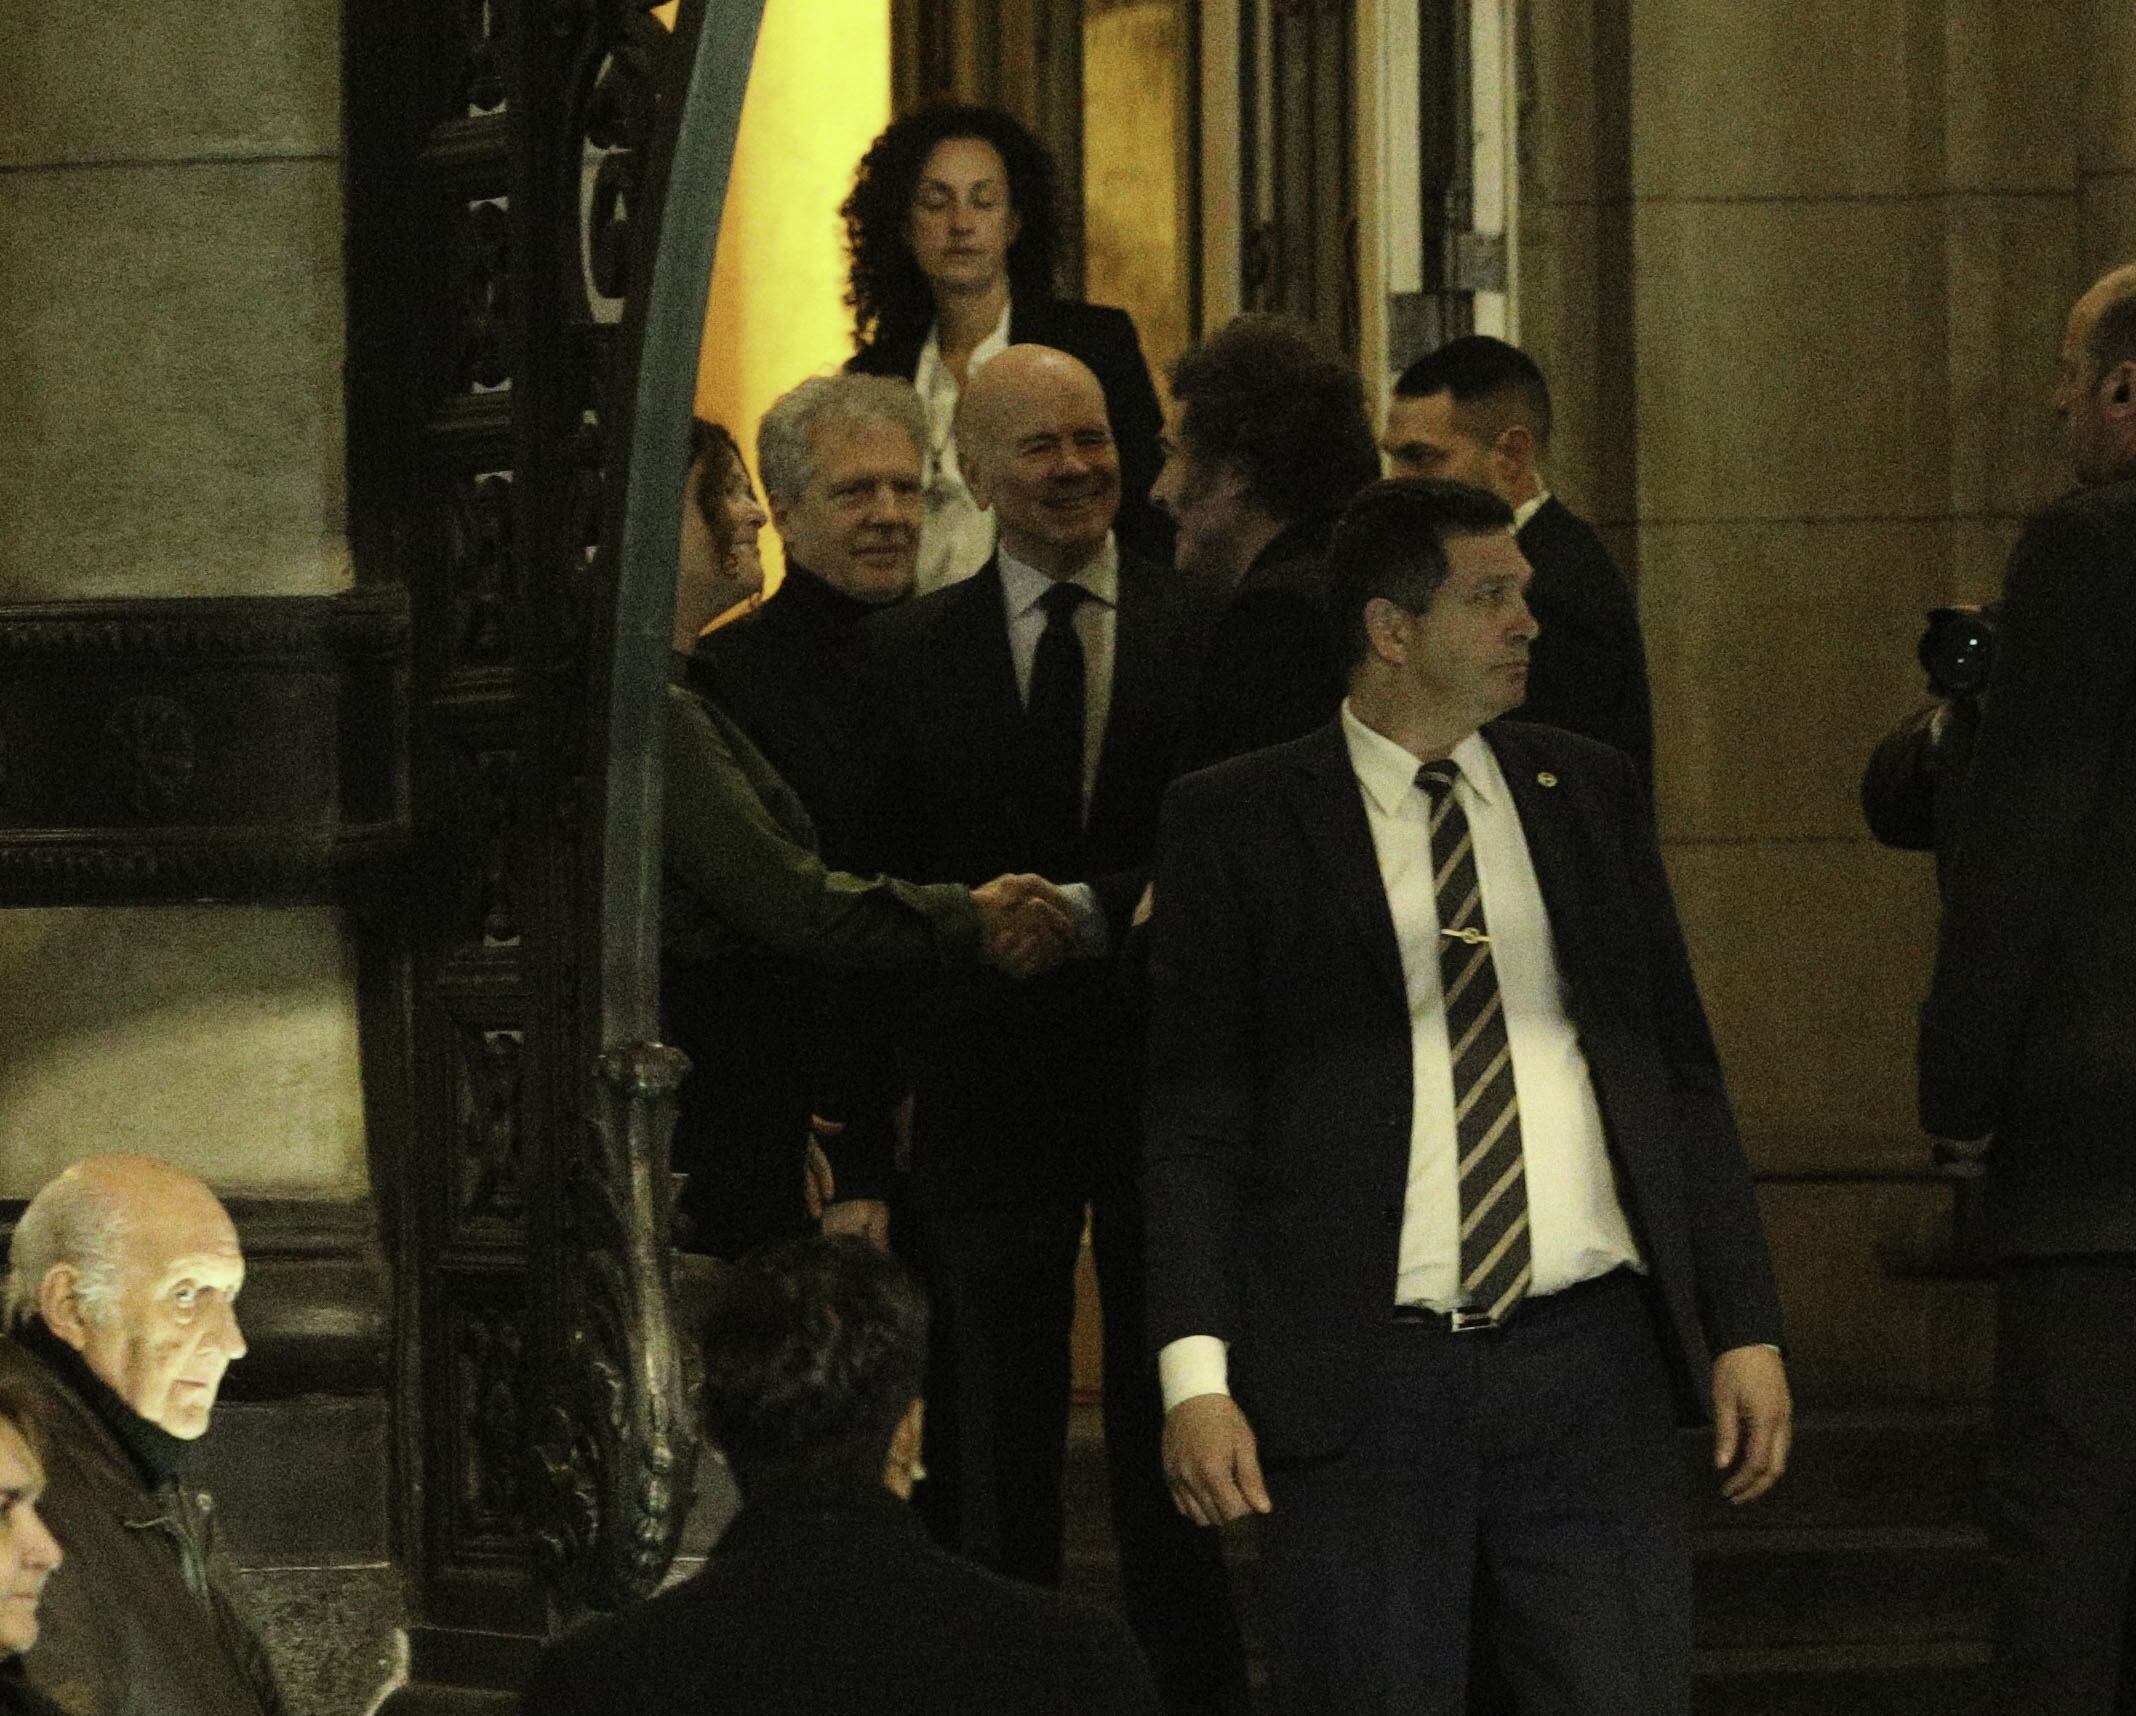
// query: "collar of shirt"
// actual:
[[1388, 772], [932, 378], [1522, 513], [1022, 585]]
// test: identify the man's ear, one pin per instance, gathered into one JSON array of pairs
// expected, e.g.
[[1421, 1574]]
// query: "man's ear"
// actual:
[[901, 1463], [2118, 389], [974, 472], [905, 1439], [1515, 449], [1385, 633], [60, 1305]]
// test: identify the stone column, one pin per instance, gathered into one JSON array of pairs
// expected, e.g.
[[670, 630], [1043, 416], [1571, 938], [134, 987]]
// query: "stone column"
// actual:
[[2106, 155], [170, 355], [1807, 332]]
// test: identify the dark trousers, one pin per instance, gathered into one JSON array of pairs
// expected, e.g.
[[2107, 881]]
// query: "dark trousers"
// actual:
[[2063, 1474], [1541, 1458], [1003, 1287]]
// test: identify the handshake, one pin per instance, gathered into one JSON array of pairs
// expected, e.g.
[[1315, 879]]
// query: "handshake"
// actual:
[[1029, 927]]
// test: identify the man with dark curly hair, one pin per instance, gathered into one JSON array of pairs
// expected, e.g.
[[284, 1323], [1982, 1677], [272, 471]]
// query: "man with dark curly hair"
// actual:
[[952, 230], [1266, 442], [825, 1595]]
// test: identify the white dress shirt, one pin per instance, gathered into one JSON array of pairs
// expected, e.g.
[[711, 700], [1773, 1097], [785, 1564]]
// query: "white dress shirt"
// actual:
[[1096, 624], [957, 534], [1528, 509], [1577, 1226]]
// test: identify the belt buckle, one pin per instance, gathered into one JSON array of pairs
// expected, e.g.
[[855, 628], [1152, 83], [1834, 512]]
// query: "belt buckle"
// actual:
[[1468, 1322]]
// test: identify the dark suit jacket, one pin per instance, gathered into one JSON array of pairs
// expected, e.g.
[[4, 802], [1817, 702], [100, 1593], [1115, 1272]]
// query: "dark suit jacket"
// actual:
[[1587, 670], [1273, 668], [2030, 1025], [842, 1607], [1104, 339], [1025, 1091], [1280, 1072]]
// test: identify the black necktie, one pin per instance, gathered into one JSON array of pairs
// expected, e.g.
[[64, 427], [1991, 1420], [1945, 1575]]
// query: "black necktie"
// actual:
[[1054, 717], [1495, 1259]]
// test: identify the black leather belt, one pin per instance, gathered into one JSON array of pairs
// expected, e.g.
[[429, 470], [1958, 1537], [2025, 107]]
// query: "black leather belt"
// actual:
[[1469, 1322]]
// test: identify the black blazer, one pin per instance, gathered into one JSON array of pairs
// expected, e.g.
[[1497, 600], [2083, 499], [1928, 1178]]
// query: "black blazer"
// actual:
[[1104, 339], [2030, 1025], [1273, 667], [842, 1607], [1025, 1089], [1280, 1072], [1587, 670]]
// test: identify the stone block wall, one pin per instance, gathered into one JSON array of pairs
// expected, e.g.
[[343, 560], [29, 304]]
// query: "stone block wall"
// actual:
[[171, 356], [1798, 272]]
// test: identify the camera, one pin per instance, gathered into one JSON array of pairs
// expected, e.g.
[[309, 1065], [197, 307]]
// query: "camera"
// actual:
[[1957, 649]]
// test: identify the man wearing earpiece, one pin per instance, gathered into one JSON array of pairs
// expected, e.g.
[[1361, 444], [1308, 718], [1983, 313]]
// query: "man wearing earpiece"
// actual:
[[2028, 1043]]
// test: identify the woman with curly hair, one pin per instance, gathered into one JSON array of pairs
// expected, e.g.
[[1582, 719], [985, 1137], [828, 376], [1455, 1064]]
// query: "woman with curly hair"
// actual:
[[952, 230]]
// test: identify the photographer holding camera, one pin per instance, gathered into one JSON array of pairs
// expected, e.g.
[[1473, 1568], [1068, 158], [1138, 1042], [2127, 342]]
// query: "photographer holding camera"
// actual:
[[2028, 1042], [1910, 788]]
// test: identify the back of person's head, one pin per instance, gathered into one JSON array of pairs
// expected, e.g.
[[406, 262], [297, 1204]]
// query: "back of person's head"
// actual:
[[1493, 384], [786, 450], [1263, 395], [1391, 542], [813, 1353]]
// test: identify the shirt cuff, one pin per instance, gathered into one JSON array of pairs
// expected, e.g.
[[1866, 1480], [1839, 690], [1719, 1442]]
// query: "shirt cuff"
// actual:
[[1191, 1365], [1093, 936]]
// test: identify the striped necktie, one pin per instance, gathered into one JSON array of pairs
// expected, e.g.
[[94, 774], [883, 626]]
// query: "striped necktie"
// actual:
[[1495, 1260]]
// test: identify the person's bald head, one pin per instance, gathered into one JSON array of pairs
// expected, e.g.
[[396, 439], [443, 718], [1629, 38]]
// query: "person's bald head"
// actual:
[[135, 1265], [1036, 446], [2095, 388]]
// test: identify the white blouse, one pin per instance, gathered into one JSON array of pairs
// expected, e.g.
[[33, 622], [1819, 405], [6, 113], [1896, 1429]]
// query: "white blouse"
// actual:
[[958, 533]]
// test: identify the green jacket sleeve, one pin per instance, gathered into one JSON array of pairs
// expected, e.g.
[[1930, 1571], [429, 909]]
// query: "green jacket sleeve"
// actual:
[[725, 848]]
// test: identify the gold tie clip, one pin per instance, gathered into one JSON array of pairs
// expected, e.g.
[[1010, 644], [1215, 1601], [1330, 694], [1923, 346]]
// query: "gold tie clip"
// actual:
[[1472, 936]]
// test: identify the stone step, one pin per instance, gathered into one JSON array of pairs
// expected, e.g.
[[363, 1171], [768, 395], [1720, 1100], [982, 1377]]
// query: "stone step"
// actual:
[[1832, 1586], [1865, 1464], [1861, 1584], [1927, 1678], [1854, 1466]]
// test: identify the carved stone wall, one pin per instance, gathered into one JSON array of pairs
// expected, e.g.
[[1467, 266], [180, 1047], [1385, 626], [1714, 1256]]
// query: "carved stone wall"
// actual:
[[170, 352]]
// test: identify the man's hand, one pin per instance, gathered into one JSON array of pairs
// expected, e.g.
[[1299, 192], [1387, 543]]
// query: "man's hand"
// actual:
[[867, 1217], [1211, 1462], [1753, 1420], [1029, 928]]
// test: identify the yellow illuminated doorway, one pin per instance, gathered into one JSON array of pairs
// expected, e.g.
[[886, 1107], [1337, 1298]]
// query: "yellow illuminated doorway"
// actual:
[[819, 92]]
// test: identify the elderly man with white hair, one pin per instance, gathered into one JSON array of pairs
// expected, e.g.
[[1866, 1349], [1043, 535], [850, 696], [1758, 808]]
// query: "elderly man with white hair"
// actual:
[[121, 1319]]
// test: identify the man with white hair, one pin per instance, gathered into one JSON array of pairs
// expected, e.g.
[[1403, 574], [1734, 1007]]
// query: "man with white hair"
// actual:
[[840, 458], [121, 1319]]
